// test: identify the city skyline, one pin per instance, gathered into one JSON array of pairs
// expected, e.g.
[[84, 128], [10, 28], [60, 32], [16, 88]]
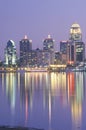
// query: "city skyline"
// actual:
[[75, 33]]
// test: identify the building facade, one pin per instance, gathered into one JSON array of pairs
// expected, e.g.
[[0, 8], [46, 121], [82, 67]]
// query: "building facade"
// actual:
[[48, 46], [10, 54], [75, 33], [25, 48], [58, 58], [63, 50], [76, 47], [43, 58], [71, 53], [80, 51]]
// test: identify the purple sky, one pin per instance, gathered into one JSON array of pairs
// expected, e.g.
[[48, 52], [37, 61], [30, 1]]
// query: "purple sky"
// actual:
[[38, 18]]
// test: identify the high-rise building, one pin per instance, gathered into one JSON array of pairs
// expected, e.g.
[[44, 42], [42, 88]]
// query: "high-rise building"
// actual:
[[80, 51], [48, 45], [25, 48], [38, 58], [58, 58], [43, 58], [63, 50], [76, 46], [70, 53], [10, 54], [75, 33], [32, 58]]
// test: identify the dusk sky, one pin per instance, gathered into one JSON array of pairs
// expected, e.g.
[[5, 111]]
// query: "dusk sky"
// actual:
[[38, 18]]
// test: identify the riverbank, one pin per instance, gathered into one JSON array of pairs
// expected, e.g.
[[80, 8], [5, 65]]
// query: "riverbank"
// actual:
[[17, 128]]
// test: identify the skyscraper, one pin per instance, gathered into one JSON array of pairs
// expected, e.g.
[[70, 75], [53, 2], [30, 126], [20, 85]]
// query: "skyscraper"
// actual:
[[78, 46], [48, 45], [10, 54], [80, 51], [58, 58], [75, 33], [25, 47], [70, 53], [63, 50], [43, 58]]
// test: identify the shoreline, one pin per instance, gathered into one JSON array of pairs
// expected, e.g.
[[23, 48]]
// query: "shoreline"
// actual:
[[18, 128]]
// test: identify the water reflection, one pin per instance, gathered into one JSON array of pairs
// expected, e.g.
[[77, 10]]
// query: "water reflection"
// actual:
[[11, 89], [45, 96]]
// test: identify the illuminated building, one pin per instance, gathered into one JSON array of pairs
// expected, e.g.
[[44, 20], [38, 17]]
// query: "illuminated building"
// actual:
[[32, 58], [10, 54], [80, 51], [70, 53], [75, 33], [25, 47], [58, 58], [43, 58], [63, 50], [76, 52], [76, 48], [38, 58], [48, 45]]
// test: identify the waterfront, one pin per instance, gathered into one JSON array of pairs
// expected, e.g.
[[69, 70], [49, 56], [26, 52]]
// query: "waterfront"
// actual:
[[52, 101]]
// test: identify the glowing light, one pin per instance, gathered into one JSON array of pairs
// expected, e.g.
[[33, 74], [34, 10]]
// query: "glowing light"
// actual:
[[70, 62], [30, 40], [57, 66], [49, 36], [25, 37]]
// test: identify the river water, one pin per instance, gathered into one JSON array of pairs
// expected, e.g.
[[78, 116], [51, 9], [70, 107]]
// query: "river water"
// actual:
[[52, 101]]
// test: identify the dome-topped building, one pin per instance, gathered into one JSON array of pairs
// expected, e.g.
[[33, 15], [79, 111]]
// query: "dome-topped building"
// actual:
[[76, 47], [75, 32]]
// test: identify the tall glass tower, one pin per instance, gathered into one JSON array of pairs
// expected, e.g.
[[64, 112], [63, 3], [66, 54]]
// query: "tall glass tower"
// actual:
[[48, 45], [10, 54], [76, 44], [25, 48]]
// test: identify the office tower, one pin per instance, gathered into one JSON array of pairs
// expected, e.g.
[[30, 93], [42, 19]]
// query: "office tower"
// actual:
[[75, 33], [38, 58], [58, 58], [70, 53], [63, 50], [77, 44], [80, 51], [48, 45], [43, 58], [32, 58], [25, 47], [10, 54]]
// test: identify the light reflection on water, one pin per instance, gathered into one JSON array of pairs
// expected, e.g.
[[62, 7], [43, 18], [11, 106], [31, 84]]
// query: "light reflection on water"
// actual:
[[43, 100]]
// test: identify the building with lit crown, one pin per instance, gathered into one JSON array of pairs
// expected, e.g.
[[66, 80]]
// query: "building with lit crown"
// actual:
[[48, 45], [75, 32], [25, 48], [76, 47], [10, 54]]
